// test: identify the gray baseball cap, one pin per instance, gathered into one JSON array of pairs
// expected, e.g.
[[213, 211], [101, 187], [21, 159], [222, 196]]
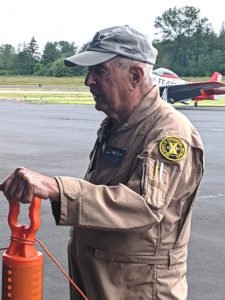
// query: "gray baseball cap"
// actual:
[[113, 41]]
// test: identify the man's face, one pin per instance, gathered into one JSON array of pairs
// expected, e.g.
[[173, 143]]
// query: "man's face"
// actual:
[[109, 86]]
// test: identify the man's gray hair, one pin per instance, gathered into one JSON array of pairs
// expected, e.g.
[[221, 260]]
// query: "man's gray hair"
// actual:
[[125, 63]]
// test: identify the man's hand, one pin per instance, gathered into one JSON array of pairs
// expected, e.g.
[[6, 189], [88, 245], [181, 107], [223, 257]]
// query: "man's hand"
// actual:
[[22, 185]]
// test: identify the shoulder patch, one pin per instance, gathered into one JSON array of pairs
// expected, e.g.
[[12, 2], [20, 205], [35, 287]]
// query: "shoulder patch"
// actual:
[[172, 148]]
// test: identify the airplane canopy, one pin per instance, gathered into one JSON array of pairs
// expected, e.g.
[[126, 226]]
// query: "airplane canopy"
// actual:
[[164, 71]]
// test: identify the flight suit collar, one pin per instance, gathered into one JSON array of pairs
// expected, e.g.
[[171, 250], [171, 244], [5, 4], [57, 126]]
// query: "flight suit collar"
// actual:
[[146, 107]]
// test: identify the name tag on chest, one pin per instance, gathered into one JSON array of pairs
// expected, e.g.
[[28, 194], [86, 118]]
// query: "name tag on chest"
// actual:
[[114, 155]]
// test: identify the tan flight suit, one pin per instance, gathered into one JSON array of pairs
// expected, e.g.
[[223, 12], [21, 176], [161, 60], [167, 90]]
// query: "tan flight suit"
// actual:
[[132, 221]]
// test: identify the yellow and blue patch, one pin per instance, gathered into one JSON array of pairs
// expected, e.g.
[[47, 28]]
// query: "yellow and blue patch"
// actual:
[[172, 148]]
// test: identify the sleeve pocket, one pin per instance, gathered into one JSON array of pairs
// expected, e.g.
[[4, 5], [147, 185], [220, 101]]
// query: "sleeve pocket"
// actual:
[[153, 185]]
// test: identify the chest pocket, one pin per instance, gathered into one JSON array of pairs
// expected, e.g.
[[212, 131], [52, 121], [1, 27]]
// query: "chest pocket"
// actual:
[[150, 183]]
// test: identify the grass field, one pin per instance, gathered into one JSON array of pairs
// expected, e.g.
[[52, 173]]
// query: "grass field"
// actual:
[[62, 90], [36, 80], [66, 90]]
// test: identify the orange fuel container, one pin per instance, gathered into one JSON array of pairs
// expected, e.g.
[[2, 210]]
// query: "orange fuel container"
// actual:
[[22, 264]]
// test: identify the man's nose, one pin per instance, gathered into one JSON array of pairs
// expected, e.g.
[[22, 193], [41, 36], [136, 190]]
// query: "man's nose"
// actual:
[[89, 79]]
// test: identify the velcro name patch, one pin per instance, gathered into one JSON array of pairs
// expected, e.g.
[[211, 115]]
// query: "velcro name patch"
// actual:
[[114, 155]]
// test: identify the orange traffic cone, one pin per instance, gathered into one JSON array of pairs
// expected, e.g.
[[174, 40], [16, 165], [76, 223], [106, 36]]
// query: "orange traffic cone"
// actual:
[[22, 269]]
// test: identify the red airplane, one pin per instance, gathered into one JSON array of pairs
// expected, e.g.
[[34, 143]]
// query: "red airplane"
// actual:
[[174, 89]]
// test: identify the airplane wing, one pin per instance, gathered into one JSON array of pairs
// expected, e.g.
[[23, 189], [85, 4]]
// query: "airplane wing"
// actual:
[[189, 90], [216, 91]]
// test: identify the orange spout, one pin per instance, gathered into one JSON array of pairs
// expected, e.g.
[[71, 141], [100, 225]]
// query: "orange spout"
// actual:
[[22, 270]]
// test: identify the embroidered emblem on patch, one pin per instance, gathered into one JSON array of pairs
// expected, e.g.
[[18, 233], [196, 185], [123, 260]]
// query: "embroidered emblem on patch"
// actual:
[[114, 155], [172, 148]]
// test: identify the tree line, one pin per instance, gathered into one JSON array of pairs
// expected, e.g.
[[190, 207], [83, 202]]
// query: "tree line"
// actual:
[[187, 44], [27, 60]]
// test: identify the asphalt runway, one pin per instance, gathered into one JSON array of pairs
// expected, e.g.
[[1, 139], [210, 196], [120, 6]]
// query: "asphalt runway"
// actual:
[[57, 139]]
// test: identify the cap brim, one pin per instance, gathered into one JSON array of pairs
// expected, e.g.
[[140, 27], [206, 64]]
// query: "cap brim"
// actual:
[[88, 58]]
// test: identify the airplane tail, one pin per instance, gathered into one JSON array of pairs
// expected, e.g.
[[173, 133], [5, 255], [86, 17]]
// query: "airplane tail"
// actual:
[[216, 77]]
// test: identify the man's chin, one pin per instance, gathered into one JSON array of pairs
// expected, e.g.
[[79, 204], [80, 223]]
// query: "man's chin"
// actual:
[[100, 107], [97, 106]]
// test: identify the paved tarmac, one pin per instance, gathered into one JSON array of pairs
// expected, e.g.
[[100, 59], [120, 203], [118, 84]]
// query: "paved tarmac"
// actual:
[[57, 139]]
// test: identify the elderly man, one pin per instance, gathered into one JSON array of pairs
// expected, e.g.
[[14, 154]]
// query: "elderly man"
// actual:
[[131, 214]]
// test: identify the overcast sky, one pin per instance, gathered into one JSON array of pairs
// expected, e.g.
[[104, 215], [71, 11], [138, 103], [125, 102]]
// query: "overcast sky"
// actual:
[[78, 20]]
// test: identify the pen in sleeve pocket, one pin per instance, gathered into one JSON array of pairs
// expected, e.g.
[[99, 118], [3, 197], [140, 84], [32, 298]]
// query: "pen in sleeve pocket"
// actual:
[[156, 168], [161, 166]]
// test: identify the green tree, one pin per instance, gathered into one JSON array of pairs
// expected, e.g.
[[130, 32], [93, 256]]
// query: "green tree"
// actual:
[[26, 59], [183, 38], [181, 22], [67, 49], [7, 59], [50, 53], [59, 69], [32, 48]]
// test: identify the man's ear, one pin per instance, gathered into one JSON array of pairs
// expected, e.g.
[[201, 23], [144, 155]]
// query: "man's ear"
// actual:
[[136, 74]]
